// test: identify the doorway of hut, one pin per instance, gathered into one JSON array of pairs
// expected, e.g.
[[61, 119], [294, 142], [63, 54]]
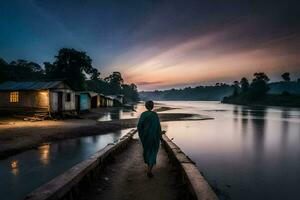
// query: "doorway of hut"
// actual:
[[77, 103], [59, 102], [94, 102]]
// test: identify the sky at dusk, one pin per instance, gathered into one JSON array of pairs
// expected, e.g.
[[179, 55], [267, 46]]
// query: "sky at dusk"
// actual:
[[159, 44]]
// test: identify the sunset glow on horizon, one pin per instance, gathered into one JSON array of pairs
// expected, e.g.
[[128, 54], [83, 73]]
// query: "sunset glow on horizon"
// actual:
[[160, 44]]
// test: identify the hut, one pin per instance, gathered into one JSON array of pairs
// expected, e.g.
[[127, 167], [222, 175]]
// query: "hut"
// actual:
[[118, 100], [95, 100], [83, 101], [47, 96], [109, 101], [102, 100]]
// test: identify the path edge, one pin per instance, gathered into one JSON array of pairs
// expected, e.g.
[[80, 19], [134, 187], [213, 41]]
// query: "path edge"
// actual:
[[196, 183]]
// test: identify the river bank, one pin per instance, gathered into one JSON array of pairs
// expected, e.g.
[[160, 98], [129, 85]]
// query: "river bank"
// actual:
[[283, 100], [17, 135]]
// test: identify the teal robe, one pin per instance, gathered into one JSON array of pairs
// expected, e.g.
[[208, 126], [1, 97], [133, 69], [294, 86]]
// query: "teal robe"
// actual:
[[149, 130]]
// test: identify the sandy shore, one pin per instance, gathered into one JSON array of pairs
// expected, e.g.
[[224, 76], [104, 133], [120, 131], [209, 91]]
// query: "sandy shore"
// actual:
[[17, 135]]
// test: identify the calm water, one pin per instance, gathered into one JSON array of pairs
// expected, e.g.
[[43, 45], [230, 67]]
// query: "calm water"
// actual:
[[248, 153], [24, 172]]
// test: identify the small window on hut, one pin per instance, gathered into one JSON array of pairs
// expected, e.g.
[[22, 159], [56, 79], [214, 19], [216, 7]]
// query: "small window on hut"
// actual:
[[14, 97], [68, 97]]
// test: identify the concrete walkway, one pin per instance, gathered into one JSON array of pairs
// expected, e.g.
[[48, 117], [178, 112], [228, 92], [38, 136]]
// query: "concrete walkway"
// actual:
[[125, 178]]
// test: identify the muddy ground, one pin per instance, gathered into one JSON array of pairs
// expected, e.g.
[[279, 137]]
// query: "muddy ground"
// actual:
[[17, 135]]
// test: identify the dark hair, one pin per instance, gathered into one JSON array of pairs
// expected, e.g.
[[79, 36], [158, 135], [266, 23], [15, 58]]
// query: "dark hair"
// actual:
[[149, 105]]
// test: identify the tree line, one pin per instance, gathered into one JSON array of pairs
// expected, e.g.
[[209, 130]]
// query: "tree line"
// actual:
[[207, 93], [71, 66], [245, 89], [257, 91], [259, 86]]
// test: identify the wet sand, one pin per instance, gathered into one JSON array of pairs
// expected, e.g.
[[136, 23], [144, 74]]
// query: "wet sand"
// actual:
[[17, 136], [125, 178]]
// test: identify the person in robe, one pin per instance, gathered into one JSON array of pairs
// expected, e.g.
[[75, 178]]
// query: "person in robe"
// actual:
[[149, 131]]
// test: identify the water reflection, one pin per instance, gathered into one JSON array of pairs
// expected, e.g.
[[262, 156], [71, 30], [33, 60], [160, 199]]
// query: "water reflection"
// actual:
[[284, 127], [24, 172], [245, 120], [123, 113], [44, 153], [256, 151], [258, 124], [14, 167]]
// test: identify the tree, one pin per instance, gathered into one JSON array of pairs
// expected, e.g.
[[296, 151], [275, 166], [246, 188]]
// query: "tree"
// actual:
[[286, 76], [259, 86], [115, 82], [95, 74], [130, 92], [244, 84], [70, 66], [236, 88], [20, 70], [3, 66]]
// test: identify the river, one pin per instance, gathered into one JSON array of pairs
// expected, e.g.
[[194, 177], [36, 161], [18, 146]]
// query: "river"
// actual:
[[244, 152], [22, 173]]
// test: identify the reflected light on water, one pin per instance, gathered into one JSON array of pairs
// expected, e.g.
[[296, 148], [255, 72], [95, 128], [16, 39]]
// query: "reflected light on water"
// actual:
[[44, 153], [14, 167]]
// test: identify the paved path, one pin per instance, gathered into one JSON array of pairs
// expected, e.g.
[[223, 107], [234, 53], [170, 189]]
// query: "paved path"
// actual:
[[125, 178]]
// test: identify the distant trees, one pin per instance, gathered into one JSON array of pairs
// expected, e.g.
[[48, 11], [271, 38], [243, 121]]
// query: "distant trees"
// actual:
[[112, 85], [236, 88], [259, 86], [286, 76], [72, 66], [207, 93], [244, 84], [253, 91]]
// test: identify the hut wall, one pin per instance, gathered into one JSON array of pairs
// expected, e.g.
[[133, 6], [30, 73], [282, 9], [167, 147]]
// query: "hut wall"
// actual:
[[28, 100], [67, 104], [102, 101], [95, 101], [85, 102], [110, 103]]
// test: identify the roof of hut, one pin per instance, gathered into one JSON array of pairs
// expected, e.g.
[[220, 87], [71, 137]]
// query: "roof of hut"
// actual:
[[29, 85]]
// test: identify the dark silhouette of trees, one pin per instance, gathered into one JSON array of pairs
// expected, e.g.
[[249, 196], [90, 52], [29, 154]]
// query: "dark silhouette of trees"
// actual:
[[112, 85], [72, 66], [20, 70], [69, 65], [95, 74], [130, 91], [259, 86], [115, 82], [236, 86], [244, 84], [208, 93], [286, 76]]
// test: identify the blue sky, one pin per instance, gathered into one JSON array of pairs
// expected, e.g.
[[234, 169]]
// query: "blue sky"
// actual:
[[159, 43]]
